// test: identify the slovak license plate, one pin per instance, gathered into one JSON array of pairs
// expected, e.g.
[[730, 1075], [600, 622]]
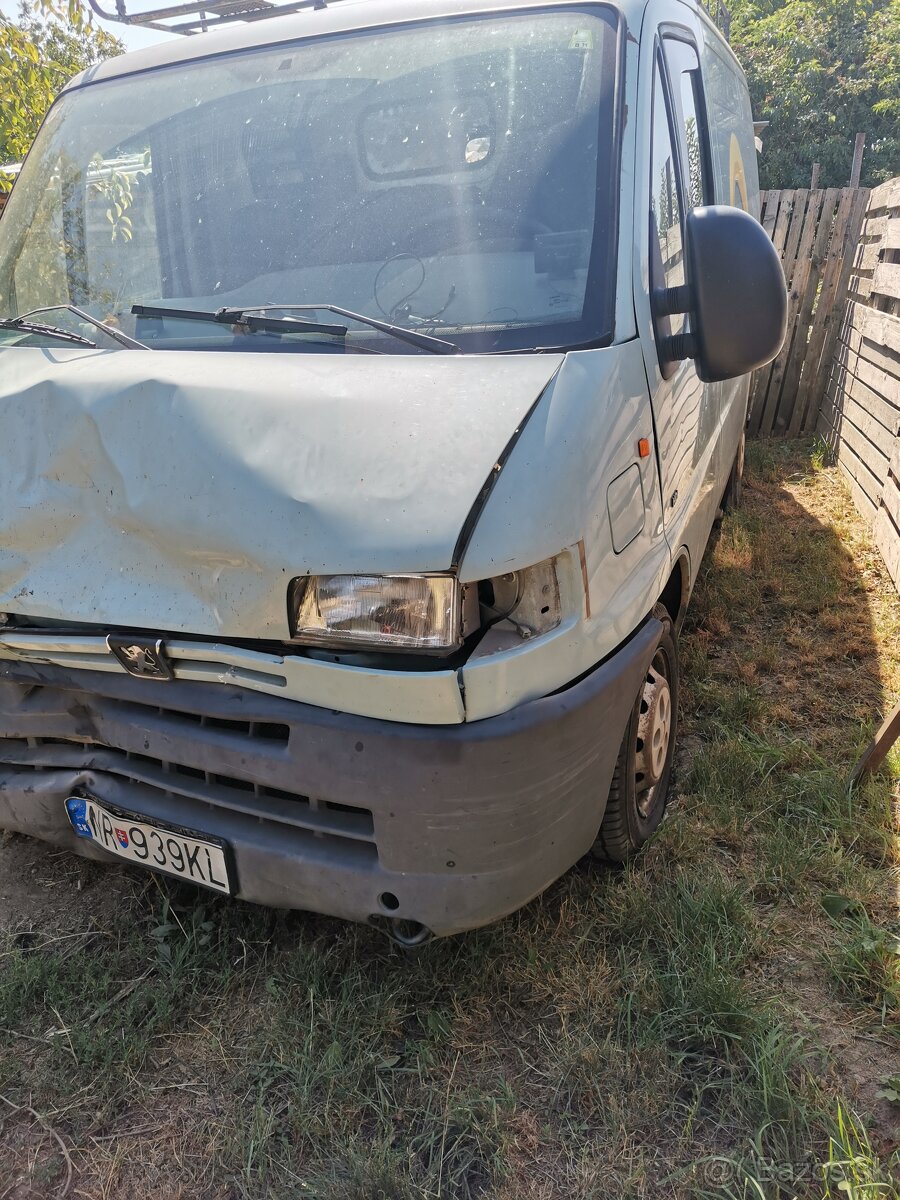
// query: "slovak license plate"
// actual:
[[161, 847]]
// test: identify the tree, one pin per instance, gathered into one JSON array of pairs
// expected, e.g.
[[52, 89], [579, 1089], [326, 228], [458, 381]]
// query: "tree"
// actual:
[[821, 71], [39, 53]]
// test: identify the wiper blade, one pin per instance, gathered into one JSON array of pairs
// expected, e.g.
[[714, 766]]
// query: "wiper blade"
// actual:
[[51, 331], [244, 318], [116, 334], [425, 341], [239, 316]]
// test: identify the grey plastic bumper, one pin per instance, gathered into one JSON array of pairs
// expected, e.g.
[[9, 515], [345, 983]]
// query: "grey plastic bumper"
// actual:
[[325, 811]]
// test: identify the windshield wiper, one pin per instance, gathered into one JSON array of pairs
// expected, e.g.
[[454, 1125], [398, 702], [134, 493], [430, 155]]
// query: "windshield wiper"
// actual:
[[116, 334], [238, 316], [51, 331], [244, 318], [425, 341]]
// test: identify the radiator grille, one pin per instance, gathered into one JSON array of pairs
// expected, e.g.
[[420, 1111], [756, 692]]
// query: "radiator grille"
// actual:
[[320, 819]]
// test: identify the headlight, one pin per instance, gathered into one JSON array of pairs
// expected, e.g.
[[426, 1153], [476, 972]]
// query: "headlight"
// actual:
[[407, 612]]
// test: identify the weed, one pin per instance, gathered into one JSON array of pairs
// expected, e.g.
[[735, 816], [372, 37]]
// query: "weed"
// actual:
[[865, 962], [852, 1170], [820, 456]]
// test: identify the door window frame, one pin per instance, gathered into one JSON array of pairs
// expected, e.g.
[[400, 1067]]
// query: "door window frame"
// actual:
[[663, 74], [677, 33]]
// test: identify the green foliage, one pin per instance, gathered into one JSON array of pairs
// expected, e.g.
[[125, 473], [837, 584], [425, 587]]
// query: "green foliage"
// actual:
[[50, 41], [822, 71]]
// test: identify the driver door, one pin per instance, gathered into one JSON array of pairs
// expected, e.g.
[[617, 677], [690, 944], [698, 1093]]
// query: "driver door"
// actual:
[[675, 176]]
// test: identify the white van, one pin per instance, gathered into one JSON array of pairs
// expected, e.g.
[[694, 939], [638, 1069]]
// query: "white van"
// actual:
[[394, 641]]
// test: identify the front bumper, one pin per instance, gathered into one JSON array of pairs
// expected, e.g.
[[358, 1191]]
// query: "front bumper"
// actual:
[[456, 825]]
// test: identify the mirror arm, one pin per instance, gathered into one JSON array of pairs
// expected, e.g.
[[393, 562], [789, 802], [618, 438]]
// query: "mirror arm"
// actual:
[[680, 346], [667, 302]]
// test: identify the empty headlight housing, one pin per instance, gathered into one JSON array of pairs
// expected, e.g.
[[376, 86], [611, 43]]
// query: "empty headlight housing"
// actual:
[[528, 600], [416, 613]]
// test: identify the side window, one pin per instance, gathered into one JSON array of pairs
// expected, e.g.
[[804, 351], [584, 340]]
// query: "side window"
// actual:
[[684, 73], [666, 251]]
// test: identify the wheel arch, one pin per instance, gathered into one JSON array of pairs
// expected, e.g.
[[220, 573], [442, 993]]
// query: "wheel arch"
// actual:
[[675, 595]]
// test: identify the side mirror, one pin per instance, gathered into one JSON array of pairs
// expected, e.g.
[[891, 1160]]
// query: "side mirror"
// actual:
[[735, 295]]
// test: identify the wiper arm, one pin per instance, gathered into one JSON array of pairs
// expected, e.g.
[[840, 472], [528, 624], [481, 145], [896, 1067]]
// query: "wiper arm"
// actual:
[[239, 316], [116, 334], [51, 331], [425, 341], [244, 318]]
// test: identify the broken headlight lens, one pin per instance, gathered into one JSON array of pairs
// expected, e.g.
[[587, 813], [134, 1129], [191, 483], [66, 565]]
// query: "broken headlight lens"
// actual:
[[406, 612]]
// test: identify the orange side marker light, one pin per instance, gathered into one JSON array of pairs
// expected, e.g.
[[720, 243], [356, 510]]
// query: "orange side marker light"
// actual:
[[644, 448]]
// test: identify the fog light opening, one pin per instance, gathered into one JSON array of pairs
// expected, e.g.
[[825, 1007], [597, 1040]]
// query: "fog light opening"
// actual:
[[410, 935], [404, 933], [389, 901]]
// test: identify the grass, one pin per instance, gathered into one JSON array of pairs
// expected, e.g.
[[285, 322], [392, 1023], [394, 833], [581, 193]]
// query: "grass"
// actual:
[[712, 1021]]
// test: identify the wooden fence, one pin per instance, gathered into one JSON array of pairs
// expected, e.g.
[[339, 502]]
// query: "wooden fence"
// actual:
[[860, 412], [816, 233]]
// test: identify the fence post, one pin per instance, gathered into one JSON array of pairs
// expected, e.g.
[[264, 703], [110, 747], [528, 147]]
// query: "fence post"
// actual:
[[856, 170]]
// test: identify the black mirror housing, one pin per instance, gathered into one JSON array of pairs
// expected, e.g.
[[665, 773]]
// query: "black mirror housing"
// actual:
[[735, 294]]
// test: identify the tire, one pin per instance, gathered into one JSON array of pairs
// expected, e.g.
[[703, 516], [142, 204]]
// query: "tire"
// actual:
[[635, 808], [734, 488]]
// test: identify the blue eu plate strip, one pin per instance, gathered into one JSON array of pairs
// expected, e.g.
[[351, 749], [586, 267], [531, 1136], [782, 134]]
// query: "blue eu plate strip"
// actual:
[[77, 810]]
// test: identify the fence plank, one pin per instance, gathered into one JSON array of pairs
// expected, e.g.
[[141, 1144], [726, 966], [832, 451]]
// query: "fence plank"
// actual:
[[823, 241], [886, 280], [798, 214], [843, 252], [890, 500], [801, 237], [887, 539], [790, 418], [860, 393], [885, 384], [880, 327], [887, 195], [769, 211], [874, 353], [786, 207], [866, 507], [836, 270], [873, 459], [891, 238], [867, 423]]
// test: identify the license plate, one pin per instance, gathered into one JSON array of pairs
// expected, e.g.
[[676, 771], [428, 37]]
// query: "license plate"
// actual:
[[161, 847]]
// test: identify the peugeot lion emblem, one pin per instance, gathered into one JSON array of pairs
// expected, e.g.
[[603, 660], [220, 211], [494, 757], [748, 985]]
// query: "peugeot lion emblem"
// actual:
[[145, 658]]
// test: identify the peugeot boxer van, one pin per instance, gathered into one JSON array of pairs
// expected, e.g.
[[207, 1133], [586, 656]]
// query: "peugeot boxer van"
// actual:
[[392, 640]]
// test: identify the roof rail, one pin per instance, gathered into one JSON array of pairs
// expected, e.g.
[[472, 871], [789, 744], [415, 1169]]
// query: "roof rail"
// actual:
[[720, 13], [189, 18]]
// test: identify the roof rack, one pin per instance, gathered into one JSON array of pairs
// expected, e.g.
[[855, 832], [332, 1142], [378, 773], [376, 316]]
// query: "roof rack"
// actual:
[[201, 17], [189, 18]]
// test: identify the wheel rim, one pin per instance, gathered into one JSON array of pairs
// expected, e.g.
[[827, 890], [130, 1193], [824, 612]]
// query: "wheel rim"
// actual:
[[654, 735]]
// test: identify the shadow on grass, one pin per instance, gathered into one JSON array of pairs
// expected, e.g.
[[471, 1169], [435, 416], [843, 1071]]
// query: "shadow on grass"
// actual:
[[672, 1029]]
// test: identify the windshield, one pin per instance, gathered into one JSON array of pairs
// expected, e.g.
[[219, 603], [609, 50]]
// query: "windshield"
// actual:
[[451, 177]]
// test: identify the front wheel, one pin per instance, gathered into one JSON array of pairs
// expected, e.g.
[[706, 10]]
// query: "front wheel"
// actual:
[[640, 783]]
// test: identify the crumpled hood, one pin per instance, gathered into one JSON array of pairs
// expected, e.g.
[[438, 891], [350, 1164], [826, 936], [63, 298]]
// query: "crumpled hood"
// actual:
[[182, 491]]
